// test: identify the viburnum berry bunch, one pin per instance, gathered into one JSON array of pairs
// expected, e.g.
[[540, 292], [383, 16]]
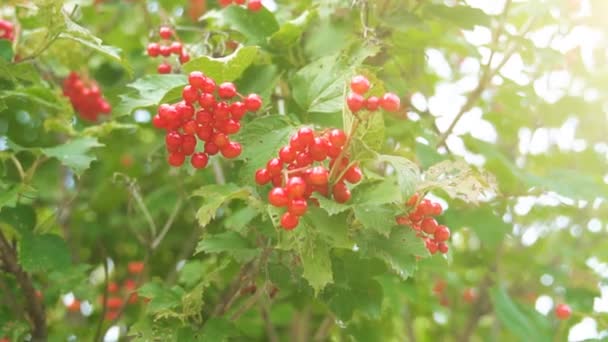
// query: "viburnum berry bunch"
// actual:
[[7, 30], [166, 48], [86, 97], [205, 113], [252, 5], [420, 217], [301, 169], [359, 86]]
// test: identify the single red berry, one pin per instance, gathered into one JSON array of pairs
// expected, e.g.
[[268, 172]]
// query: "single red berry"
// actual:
[[190, 94], [337, 137], [442, 233], [226, 90], [204, 133], [220, 139], [274, 166], [237, 110], [341, 193], [295, 187], [297, 207], [190, 127], [165, 50], [184, 58], [353, 175], [431, 246], [254, 5], [231, 150], [114, 302], [303, 159], [306, 135], [287, 154], [563, 311], [318, 149], [176, 48], [262, 176], [74, 306], [221, 111], [153, 49], [436, 209], [355, 102], [469, 295], [428, 225], [209, 86], [158, 122], [165, 32], [443, 247], [173, 139], [199, 160], [232, 126], [211, 148], [412, 200], [289, 221], [277, 180], [207, 100], [239, 2], [403, 220], [372, 103], [176, 159], [224, 3], [425, 207], [196, 79], [318, 175], [439, 287], [188, 144], [253, 102], [135, 267], [390, 102], [164, 68], [296, 143], [278, 197], [359, 84], [112, 287], [185, 111], [333, 151]]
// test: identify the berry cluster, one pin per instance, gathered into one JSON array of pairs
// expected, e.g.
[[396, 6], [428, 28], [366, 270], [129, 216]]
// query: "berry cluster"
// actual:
[[86, 97], [301, 177], [201, 114], [166, 50], [252, 5], [420, 218], [7, 30], [359, 85], [439, 290]]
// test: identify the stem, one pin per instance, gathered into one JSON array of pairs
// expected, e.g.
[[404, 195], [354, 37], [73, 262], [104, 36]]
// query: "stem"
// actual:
[[248, 305], [268, 326], [338, 161], [104, 307], [34, 306], [168, 225], [18, 166], [324, 328]]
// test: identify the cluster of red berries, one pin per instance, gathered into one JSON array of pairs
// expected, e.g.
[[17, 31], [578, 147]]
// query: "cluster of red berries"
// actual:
[[201, 114], [86, 97], [359, 85], [166, 50], [7, 30], [252, 5], [420, 218], [294, 185], [116, 295]]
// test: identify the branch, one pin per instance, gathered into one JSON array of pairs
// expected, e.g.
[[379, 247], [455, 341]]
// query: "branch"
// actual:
[[34, 306], [268, 326], [324, 328], [104, 306], [168, 225], [481, 308]]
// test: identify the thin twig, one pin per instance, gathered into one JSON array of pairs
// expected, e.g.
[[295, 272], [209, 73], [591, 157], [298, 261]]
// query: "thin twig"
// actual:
[[324, 328], [104, 306], [18, 166], [248, 305], [168, 224], [271, 332]]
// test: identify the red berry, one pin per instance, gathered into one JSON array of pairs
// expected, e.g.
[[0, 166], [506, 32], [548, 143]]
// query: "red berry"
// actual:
[[238, 110], [333, 151], [428, 225], [413, 200], [425, 207], [353, 175], [221, 111], [254, 5], [204, 133], [165, 50], [190, 127], [253, 102], [318, 175], [164, 68], [355, 102], [295, 187], [274, 166], [184, 58], [158, 122], [232, 126], [337, 137], [114, 303], [436, 209], [226, 90], [442, 233], [341, 193], [287, 154], [196, 79], [443, 247], [224, 3], [220, 139], [296, 143], [135, 267], [209, 86], [390, 102], [431, 246], [306, 135], [199, 160], [359, 84], [176, 48], [206, 100], [563, 311], [176, 159], [403, 220], [289, 221], [173, 139], [165, 32], [190, 94], [211, 148], [469, 295], [232, 150], [185, 111], [278, 197], [318, 149], [262, 176], [297, 206], [277, 180], [303, 159], [372, 103], [153, 49], [188, 144]]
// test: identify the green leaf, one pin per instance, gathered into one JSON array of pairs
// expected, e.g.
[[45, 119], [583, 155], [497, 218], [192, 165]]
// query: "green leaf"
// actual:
[[150, 89], [218, 329], [43, 253], [215, 196], [332, 229], [74, 154], [291, 32], [161, 299], [229, 242], [319, 87], [6, 50], [463, 16], [77, 33], [330, 206], [9, 196], [375, 193], [255, 26], [407, 173], [514, 320], [21, 217], [316, 265], [377, 218], [227, 68], [488, 226]]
